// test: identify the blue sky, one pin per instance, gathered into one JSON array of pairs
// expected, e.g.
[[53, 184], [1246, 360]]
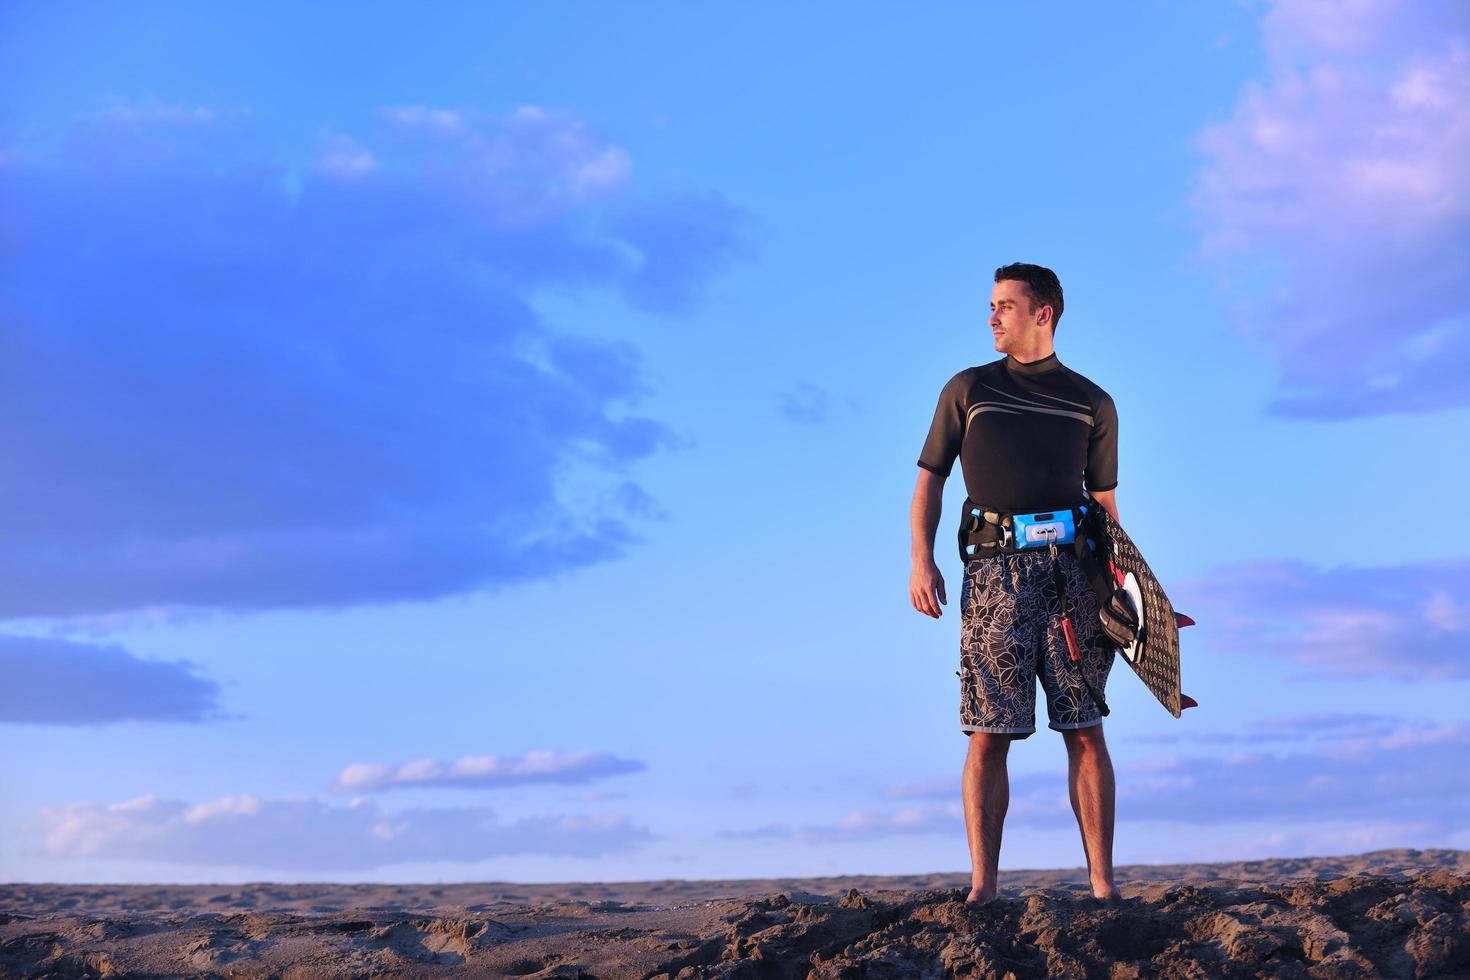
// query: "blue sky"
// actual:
[[480, 446]]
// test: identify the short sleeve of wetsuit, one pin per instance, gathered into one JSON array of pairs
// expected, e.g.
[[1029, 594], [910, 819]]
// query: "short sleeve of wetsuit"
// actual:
[[1102, 447], [946, 431]]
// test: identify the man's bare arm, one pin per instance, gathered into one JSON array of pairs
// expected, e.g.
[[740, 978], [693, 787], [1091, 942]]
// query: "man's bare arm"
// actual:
[[1107, 500], [926, 585]]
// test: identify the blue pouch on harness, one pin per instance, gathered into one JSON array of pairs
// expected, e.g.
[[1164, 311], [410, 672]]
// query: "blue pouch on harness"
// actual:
[[1042, 529]]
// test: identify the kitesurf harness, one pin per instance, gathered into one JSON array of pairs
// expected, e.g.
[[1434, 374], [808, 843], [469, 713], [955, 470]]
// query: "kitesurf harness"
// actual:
[[987, 531]]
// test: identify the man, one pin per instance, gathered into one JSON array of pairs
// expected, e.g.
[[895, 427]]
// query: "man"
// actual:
[[1030, 434]]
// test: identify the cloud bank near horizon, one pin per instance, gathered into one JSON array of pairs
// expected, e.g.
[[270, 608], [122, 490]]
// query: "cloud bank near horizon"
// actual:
[[304, 834], [1344, 784], [234, 382]]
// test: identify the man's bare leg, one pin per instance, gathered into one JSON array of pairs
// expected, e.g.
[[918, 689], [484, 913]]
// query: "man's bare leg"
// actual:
[[987, 792], [1090, 784]]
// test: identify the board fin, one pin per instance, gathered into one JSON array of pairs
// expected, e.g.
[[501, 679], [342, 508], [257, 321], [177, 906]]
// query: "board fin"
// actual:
[[1182, 620], [1185, 701]]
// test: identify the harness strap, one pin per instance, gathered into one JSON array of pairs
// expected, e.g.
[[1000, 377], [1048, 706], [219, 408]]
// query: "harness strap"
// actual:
[[1060, 578], [986, 531]]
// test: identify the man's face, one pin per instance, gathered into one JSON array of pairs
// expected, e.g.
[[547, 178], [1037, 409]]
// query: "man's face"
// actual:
[[1015, 319]]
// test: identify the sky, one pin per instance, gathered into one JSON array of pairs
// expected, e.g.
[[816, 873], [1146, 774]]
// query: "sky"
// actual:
[[478, 444]]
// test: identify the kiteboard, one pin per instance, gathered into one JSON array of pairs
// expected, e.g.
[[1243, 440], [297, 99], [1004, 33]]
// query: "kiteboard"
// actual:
[[1154, 652]]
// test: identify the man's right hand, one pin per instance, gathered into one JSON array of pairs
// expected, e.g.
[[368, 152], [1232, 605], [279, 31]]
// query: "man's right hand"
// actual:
[[926, 588]]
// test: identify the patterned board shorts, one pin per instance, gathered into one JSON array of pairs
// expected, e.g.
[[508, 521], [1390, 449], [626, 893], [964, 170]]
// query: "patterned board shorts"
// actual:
[[1011, 634]]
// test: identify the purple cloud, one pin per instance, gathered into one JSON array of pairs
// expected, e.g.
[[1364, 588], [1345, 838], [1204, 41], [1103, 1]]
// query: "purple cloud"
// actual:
[[1336, 205], [804, 403], [486, 771], [304, 834], [1410, 622], [61, 682], [1351, 780], [1295, 729], [930, 806], [234, 379], [1399, 776]]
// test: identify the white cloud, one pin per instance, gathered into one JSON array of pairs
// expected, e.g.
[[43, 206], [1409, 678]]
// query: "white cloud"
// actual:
[[924, 818], [608, 169], [149, 112], [922, 788], [247, 806], [576, 161], [443, 120], [342, 156], [479, 771]]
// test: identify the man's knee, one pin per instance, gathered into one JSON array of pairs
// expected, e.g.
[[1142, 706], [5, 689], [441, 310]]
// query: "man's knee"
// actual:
[[1085, 740], [989, 746]]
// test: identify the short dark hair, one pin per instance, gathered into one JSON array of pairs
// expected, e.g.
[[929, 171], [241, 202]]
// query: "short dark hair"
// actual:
[[1046, 288]]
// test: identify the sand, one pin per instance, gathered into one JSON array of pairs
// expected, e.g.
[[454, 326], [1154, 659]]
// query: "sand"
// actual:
[[1400, 913]]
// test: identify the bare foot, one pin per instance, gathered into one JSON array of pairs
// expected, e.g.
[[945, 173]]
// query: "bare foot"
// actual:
[[1106, 893], [980, 896]]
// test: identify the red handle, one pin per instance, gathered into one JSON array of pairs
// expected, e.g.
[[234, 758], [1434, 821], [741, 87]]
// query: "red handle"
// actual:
[[1071, 639]]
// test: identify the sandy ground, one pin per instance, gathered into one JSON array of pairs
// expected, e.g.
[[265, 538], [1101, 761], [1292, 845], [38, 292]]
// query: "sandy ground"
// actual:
[[1384, 914]]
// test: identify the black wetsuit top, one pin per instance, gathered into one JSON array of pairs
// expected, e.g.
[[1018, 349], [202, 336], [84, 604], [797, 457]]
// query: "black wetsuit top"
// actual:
[[1027, 435]]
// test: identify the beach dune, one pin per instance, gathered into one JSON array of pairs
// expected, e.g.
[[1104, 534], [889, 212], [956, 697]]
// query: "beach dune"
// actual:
[[1400, 913]]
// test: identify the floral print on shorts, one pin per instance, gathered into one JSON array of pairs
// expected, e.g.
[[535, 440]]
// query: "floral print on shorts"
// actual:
[[1011, 635]]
